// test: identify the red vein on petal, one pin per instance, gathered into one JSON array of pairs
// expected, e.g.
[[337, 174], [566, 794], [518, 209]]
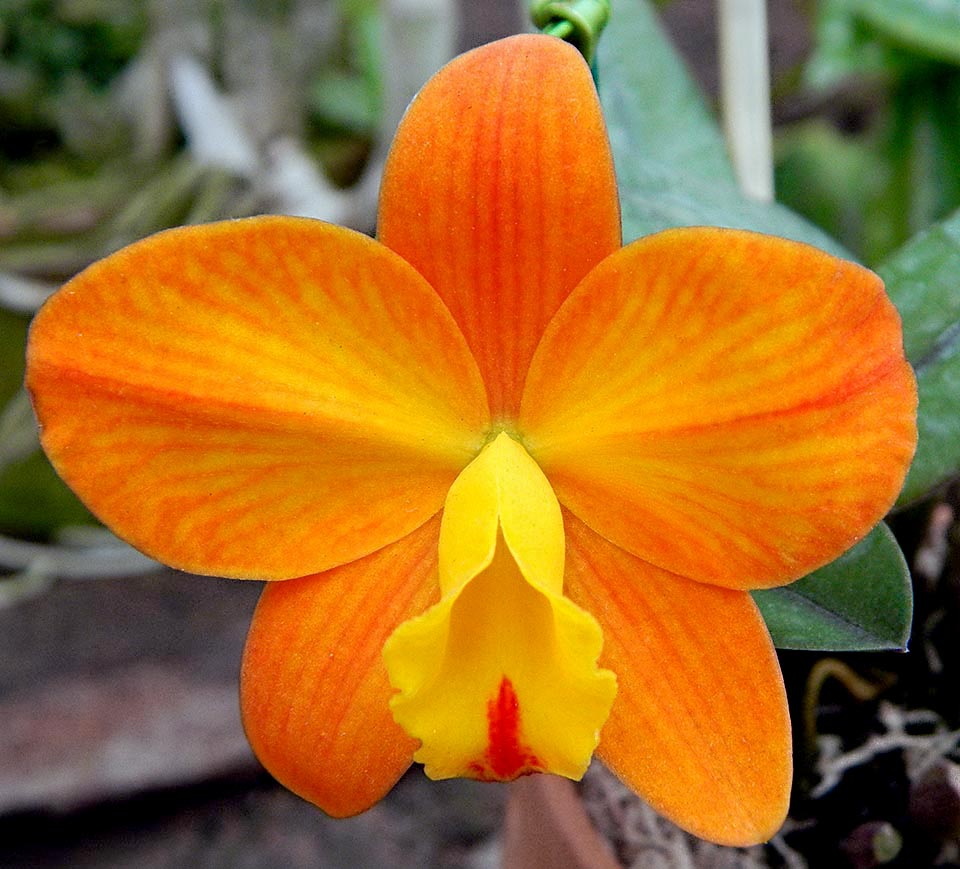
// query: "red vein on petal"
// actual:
[[506, 757]]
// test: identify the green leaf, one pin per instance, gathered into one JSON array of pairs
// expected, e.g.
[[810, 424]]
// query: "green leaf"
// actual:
[[923, 279], [829, 177], [671, 161], [928, 27], [35, 502], [860, 602], [13, 337], [345, 100], [351, 96], [879, 37], [649, 99], [842, 47]]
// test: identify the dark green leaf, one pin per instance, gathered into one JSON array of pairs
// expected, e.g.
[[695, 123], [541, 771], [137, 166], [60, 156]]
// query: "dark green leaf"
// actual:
[[13, 337], [842, 46], [35, 502], [830, 178], [345, 100], [860, 602], [923, 279], [879, 37], [928, 27]]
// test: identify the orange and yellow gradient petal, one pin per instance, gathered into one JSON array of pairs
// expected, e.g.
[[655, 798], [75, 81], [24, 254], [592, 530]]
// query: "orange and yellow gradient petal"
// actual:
[[314, 691], [700, 727], [499, 679], [500, 191], [728, 406], [263, 398]]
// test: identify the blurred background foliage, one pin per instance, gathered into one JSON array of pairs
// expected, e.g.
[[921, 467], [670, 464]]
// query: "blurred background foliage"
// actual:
[[877, 158], [122, 117]]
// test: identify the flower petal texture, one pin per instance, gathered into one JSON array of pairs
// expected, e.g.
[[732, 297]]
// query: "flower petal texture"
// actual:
[[699, 727], [314, 691], [728, 406], [499, 679], [500, 191], [263, 398]]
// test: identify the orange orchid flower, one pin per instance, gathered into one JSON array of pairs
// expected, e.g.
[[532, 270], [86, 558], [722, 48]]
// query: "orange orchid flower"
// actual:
[[519, 479]]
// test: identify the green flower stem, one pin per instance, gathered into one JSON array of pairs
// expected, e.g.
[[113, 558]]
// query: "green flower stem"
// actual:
[[745, 93], [559, 27], [579, 22]]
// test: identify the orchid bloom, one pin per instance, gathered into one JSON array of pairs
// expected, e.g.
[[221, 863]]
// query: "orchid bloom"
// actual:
[[518, 479]]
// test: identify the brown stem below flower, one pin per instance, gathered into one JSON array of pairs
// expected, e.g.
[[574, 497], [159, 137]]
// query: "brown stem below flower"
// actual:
[[547, 826]]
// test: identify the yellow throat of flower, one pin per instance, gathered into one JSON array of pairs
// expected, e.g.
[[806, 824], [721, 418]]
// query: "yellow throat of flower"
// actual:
[[500, 678]]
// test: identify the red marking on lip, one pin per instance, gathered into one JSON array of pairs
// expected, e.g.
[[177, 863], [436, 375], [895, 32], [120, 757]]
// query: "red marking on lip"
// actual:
[[506, 757]]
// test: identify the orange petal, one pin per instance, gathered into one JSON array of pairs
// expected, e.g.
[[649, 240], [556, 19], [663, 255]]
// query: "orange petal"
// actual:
[[728, 406], [268, 397], [314, 690], [699, 727], [500, 191]]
